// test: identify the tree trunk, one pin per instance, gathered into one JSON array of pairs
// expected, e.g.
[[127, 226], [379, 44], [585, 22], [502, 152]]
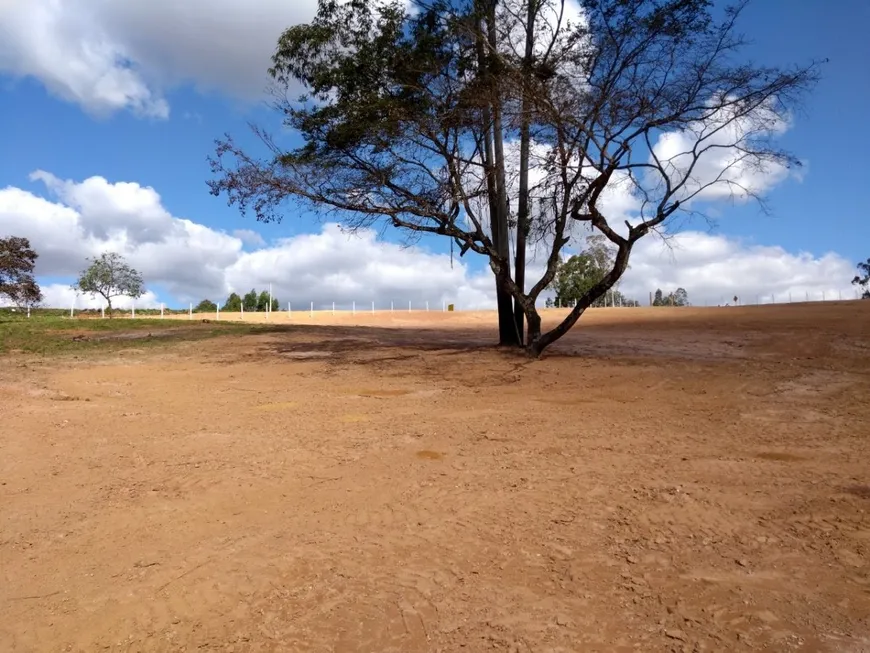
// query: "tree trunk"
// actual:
[[498, 218], [508, 335], [525, 143]]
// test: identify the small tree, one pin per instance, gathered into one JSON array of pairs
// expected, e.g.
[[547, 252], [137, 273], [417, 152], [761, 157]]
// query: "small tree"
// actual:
[[17, 262], [250, 301], [263, 301], [205, 306], [110, 276], [233, 303], [863, 280], [658, 300]]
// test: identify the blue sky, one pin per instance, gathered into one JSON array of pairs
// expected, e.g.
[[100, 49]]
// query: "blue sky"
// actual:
[[76, 130]]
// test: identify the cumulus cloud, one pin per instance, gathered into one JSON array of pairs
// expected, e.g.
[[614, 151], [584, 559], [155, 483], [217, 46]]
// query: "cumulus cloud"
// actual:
[[714, 269], [185, 261], [107, 55], [190, 261]]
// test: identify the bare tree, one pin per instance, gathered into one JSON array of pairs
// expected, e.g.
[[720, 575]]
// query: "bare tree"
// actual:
[[410, 115]]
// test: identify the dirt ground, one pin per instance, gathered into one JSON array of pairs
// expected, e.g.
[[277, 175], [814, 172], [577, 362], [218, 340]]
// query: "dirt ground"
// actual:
[[664, 480]]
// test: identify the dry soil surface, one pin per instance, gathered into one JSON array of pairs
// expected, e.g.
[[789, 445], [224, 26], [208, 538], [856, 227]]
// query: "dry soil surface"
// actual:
[[666, 479]]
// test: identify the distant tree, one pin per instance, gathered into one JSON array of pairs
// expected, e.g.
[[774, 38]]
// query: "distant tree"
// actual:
[[233, 303], [863, 280], [581, 272], [250, 301], [549, 303], [17, 262], [205, 306], [680, 297], [574, 277], [263, 301], [109, 276]]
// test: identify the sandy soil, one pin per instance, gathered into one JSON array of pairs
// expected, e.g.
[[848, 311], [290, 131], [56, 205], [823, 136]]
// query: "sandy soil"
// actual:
[[667, 479]]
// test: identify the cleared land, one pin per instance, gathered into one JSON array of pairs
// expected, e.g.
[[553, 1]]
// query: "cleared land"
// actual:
[[666, 479]]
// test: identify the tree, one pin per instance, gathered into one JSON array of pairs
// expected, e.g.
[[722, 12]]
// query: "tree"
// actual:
[[233, 303], [862, 280], [205, 306], [110, 276], [581, 272], [250, 301], [263, 302], [410, 115], [680, 297], [17, 263]]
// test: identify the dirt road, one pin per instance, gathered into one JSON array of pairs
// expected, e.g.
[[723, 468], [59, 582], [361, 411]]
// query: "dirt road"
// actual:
[[665, 480]]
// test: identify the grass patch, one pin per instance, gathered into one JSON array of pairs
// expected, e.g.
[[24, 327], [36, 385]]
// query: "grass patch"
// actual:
[[55, 334]]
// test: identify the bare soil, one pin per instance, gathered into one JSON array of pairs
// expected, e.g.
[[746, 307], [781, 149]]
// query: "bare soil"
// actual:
[[663, 480]]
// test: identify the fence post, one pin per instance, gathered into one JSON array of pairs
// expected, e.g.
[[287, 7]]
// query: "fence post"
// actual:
[[353, 308], [72, 308], [373, 308], [133, 310], [391, 307], [823, 295], [312, 310], [409, 305], [427, 307], [28, 311], [218, 313], [241, 311], [333, 308], [161, 310]]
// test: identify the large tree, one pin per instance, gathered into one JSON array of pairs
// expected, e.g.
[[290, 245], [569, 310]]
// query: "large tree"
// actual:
[[412, 114], [17, 263], [862, 280], [109, 276]]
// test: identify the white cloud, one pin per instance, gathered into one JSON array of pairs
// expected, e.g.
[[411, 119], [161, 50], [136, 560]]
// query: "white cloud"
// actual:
[[714, 269], [59, 295], [188, 261], [249, 237], [109, 55]]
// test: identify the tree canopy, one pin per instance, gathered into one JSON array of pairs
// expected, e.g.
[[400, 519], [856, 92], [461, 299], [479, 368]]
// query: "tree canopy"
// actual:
[[862, 280], [505, 124], [233, 303], [17, 263], [205, 306], [109, 276]]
